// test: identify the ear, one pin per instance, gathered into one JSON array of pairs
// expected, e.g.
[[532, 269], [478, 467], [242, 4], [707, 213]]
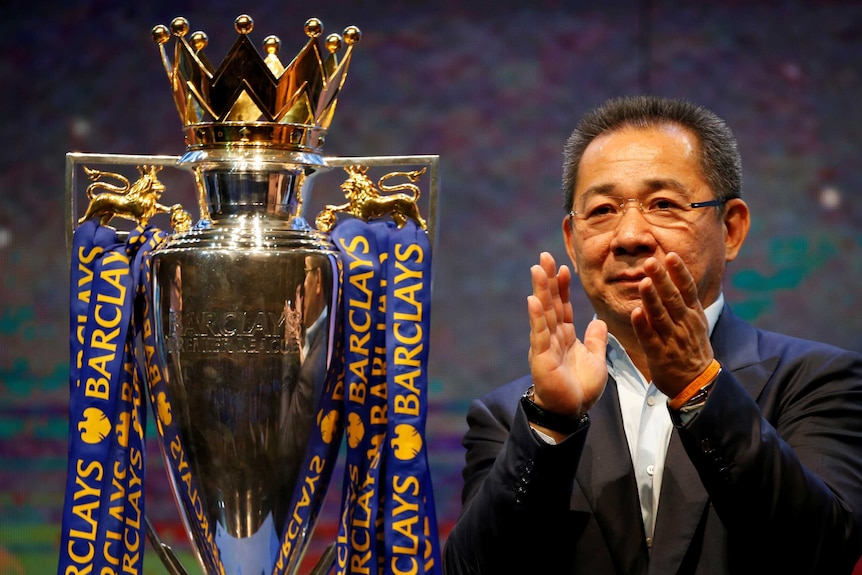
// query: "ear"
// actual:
[[569, 237], [737, 221]]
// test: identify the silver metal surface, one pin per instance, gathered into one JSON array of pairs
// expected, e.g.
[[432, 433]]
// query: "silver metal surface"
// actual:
[[245, 317]]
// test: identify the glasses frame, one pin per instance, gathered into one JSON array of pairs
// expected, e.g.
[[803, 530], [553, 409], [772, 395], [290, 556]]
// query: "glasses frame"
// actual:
[[626, 201]]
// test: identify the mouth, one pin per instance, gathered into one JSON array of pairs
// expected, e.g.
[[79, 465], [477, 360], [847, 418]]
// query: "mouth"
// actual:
[[627, 278]]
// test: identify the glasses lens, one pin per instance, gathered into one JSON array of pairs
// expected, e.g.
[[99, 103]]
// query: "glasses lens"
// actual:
[[602, 213]]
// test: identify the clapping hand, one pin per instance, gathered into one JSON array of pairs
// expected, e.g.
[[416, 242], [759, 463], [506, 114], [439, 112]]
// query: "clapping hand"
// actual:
[[569, 374]]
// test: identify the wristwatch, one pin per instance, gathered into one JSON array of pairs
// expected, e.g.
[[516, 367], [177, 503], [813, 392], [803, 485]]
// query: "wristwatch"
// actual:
[[567, 424]]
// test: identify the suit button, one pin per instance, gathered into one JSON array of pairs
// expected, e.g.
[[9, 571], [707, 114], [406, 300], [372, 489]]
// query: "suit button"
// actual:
[[706, 446], [520, 493]]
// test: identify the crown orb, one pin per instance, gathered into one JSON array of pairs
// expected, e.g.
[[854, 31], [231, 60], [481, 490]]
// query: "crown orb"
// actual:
[[313, 28], [161, 34], [333, 43], [179, 26], [271, 44], [244, 24], [352, 35], [199, 40]]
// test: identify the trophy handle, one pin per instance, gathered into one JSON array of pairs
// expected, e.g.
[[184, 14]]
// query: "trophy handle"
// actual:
[[324, 564], [164, 551]]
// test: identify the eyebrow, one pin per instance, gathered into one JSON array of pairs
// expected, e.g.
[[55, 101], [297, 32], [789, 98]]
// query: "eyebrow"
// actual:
[[667, 184]]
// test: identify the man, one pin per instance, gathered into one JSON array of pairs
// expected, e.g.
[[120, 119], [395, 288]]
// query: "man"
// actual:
[[671, 436]]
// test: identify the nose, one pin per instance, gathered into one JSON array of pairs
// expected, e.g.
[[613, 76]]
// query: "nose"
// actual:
[[633, 234]]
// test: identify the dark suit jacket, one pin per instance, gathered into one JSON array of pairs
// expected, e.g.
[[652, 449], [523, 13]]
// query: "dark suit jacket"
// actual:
[[766, 479]]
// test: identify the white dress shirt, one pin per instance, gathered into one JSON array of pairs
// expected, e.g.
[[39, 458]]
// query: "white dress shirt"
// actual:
[[647, 422]]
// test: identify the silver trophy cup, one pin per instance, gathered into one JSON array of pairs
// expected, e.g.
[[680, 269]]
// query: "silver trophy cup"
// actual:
[[245, 314], [245, 301]]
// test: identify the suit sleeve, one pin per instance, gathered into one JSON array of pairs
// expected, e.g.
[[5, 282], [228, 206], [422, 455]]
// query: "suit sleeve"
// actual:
[[784, 472], [516, 496]]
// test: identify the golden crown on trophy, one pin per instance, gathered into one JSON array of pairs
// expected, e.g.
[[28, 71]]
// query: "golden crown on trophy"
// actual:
[[254, 101]]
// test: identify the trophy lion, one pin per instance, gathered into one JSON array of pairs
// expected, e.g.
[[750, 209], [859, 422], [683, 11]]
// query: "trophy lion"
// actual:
[[364, 200], [138, 202]]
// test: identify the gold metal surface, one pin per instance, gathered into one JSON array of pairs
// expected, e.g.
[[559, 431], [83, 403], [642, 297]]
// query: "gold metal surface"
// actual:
[[137, 202], [364, 200], [255, 101]]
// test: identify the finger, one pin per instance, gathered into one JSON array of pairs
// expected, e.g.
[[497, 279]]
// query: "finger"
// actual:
[[596, 337], [681, 277], [653, 308], [552, 290], [540, 335], [564, 280], [673, 306], [542, 292], [643, 328], [558, 298]]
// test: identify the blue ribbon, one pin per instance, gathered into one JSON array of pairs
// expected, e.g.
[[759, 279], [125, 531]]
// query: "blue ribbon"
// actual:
[[411, 524], [387, 496], [364, 251], [104, 506]]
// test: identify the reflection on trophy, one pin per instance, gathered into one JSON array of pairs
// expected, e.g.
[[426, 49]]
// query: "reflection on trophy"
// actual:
[[245, 302]]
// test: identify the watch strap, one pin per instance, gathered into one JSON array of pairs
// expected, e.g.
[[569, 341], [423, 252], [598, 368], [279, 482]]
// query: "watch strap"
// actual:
[[559, 423]]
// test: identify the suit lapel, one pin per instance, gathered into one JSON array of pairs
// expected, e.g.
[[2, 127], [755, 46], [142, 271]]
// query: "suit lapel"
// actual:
[[734, 343], [606, 480], [680, 509]]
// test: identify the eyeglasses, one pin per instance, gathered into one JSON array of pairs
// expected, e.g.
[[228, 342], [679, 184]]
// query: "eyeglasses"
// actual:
[[600, 213]]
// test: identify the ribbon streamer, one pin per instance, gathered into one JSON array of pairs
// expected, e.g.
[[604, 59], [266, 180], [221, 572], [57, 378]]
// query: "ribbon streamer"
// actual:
[[103, 511], [387, 269]]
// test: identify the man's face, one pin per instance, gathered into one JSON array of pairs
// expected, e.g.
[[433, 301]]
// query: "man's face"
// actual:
[[644, 164]]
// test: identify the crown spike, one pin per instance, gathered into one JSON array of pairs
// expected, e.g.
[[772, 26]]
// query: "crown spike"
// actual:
[[336, 74], [254, 100], [161, 36], [271, 45], [352, 35]]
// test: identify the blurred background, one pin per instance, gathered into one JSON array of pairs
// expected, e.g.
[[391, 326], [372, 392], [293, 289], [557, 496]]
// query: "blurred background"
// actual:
[[494, 88]]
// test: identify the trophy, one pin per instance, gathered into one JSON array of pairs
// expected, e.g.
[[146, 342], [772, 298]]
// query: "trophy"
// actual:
[[240, 315], [245, 303]]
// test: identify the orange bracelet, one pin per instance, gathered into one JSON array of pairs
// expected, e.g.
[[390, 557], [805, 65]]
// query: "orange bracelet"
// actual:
[[692, 388]]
